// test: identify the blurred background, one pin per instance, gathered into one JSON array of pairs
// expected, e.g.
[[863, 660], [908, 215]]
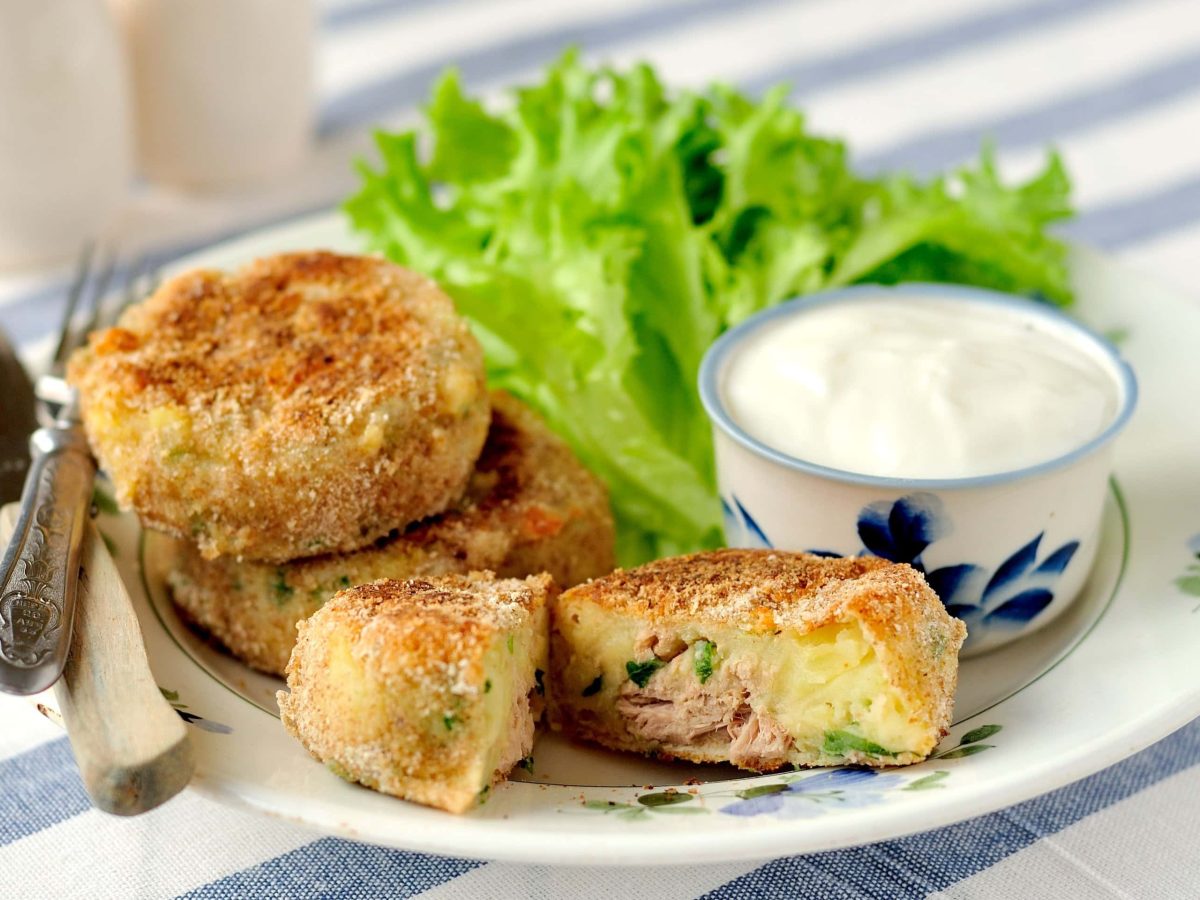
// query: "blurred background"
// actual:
[[165, 126]]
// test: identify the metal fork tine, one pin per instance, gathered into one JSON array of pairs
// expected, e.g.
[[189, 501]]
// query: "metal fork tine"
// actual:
[[98, 293], [153, 280], [82, 269], [128, 294], [133, 289]]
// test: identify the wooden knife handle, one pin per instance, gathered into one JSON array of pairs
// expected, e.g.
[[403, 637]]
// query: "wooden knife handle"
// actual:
[[132, 748]]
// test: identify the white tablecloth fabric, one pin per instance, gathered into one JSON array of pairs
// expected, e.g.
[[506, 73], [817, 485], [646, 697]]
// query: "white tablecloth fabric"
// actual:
[[914, 84]]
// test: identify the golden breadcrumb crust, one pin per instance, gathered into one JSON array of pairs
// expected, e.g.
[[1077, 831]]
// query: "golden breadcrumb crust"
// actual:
[[389, 683], [530, 507], [765, 593], [305, 404]]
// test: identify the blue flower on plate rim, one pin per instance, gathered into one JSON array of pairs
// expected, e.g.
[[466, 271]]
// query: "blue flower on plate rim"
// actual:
[[816, 795]]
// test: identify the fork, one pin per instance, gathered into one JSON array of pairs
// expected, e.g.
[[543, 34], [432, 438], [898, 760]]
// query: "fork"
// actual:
[[141, 279], [131, 747], [41, 564]]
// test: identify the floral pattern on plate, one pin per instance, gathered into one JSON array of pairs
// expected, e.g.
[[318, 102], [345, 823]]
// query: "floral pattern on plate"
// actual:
[[797, 795], [191, 718], [1189, 581]]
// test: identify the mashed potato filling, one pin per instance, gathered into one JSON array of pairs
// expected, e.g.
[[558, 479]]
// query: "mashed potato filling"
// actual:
[[758, 660], [825, 689]]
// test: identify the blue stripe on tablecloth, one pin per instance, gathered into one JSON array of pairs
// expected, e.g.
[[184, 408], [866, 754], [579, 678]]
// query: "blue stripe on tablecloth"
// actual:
[[918, 47], [335, 868], [41, 788], [1140, 218], [351, 14], [363, 103], [915, 866], [1133, 93], [36, 313]]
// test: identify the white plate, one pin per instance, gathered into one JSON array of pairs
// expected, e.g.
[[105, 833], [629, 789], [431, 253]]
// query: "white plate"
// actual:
[[1118, 671]]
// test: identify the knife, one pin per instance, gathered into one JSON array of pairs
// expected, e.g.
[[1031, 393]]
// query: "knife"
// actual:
[[132, 748], [18, 420]]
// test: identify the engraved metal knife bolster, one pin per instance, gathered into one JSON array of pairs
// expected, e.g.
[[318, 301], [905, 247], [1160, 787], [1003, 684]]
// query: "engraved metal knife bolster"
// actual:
[[40, 572]]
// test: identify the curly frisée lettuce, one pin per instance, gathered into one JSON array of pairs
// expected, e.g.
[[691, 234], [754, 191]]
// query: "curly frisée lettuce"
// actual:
[[600, 232]]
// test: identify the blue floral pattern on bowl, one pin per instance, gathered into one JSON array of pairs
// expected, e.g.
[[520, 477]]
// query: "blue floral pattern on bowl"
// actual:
[[1011, 596], [739, 522]]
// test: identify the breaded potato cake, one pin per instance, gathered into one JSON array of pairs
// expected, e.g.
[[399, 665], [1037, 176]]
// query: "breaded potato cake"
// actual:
[[425, 689], [759, 658], [530, 507], [308, 403]]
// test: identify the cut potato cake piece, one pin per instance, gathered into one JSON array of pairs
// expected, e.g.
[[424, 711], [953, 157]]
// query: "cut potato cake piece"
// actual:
[[426, 689], [759, 658]]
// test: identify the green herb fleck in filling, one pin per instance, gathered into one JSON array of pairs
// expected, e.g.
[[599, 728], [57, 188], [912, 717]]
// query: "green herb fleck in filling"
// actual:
[[487, 685], [526, 764], [538, 676], [703, 664], [449, 720], [839, 743], [640, 672], [510, 643], [283, 590], [594, 688]]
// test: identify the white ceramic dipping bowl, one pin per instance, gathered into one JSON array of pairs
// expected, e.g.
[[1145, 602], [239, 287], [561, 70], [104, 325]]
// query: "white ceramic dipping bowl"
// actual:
[[1006, 552]]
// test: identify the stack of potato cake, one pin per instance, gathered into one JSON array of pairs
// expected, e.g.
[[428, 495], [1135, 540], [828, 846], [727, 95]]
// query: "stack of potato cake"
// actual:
[[315, 421]]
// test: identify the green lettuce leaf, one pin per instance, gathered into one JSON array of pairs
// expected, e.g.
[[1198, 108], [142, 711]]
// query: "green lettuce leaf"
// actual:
[[600, 232]]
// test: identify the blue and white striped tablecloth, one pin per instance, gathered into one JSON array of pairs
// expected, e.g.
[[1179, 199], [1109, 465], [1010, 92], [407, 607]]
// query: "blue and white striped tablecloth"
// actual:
[[911, 84]]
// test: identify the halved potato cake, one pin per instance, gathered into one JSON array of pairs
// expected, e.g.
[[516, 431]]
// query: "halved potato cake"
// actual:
[[425, 689], [531, 507], [757, 657], [308, 403]]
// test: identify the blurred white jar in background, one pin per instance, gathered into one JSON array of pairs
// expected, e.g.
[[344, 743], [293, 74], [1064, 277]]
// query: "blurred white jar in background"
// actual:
[[222, 88], [65, 136]]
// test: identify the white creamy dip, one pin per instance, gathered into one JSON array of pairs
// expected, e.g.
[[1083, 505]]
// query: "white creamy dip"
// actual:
[[912, 386]]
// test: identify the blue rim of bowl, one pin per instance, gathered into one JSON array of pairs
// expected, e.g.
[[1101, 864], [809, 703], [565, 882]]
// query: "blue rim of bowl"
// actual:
[[720, 351]]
